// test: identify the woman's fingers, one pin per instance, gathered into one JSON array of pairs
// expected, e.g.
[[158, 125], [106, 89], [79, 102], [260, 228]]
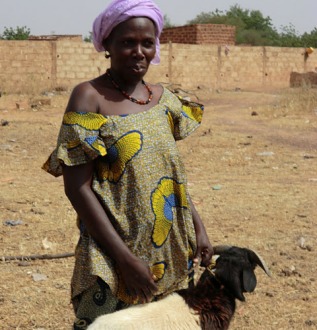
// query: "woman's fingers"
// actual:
[[143, 290], [144, 295]]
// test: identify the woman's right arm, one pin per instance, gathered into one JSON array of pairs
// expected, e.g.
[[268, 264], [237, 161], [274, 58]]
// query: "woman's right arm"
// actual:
[[136, 273], [77, 185]]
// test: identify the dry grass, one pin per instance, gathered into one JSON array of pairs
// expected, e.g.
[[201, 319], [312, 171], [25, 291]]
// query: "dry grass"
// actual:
[[296, 103], [265, 165]]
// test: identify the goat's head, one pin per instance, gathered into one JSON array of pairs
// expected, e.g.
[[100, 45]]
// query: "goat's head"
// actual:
[[234, 268]]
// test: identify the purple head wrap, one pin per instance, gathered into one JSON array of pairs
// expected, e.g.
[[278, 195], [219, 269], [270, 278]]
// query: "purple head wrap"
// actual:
[[121, 10]]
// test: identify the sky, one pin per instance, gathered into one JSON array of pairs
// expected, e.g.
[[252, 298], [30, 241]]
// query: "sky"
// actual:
[[45, 17]]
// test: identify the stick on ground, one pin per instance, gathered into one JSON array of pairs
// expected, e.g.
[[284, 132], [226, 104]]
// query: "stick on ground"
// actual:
[[38, 256]]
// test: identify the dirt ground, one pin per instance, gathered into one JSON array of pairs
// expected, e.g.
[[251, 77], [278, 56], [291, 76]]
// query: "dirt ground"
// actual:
[[252, 175]]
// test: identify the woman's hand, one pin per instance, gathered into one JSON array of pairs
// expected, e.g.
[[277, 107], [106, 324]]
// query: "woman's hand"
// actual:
[[204, 249], [138, 279]]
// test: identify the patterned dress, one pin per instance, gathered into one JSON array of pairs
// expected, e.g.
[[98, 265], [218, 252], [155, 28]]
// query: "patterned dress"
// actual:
[[140, 180]]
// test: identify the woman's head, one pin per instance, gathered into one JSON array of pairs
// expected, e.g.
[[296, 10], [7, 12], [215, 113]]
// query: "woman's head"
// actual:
[[132, 47], [122, 10]]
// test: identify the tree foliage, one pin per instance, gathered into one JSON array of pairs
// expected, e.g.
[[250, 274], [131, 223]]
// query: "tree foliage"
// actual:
[[310, 39], [19, 33], [88, 38], [252, 28], [167, 22]]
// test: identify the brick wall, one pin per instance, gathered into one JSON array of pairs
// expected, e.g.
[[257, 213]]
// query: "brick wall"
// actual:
[[212, 34], [41, 65]]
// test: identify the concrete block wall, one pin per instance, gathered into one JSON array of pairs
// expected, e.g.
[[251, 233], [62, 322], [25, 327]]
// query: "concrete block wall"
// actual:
[[214, 34], [187, 66], [41, 65], [24, 66], [76, 62], [280, 62], [222, 67], [240, 67]]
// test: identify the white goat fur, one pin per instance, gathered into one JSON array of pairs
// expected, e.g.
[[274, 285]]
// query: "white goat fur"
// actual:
[[170, 313]]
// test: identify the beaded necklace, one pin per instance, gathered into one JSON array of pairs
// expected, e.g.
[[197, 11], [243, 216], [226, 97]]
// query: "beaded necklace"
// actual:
[[129, 97]]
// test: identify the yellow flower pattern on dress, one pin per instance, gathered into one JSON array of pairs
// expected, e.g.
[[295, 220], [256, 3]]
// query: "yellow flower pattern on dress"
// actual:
[[112, 166], [158, 270], [168, 196], [140, 181], [89, 120], [192, 110]]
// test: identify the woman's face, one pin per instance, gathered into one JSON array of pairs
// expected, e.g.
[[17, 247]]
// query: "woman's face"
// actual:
[[131, 45]]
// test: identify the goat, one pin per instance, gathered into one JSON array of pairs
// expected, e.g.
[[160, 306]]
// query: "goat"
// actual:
[[209, 305]]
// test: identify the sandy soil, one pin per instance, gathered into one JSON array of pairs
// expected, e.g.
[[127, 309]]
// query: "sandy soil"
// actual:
[[252, 175]]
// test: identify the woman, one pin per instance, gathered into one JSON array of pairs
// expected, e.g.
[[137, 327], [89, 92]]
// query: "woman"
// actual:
[[139, 231]]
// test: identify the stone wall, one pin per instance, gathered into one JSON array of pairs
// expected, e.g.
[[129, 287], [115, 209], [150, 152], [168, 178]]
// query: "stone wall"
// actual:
[[39, 65]]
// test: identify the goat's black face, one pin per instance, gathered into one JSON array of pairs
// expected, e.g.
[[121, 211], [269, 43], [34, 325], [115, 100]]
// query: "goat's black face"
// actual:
[[235, 270], [213, 297]]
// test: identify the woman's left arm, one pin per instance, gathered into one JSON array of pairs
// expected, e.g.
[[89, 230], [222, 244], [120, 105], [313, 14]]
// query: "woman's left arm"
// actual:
[[204, 250]]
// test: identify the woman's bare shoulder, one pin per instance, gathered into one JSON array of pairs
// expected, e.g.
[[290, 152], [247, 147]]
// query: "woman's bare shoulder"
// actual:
[[84, 98]]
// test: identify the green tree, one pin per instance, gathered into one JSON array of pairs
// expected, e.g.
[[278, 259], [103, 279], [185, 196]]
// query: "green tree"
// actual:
[[88, 38], [310, 39], [289, 37], [19, 33], [251, 26], [216, 17], [167, 22]]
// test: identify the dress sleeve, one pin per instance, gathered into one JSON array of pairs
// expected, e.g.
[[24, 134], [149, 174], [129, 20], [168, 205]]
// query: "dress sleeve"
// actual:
[[78, 141], [184, 116]]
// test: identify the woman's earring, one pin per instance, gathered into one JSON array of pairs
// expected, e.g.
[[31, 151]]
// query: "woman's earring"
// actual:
[[107, 54]]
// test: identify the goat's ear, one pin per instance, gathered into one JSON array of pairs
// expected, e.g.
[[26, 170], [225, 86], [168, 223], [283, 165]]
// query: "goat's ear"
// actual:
[[249, 280], [231, 277]]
